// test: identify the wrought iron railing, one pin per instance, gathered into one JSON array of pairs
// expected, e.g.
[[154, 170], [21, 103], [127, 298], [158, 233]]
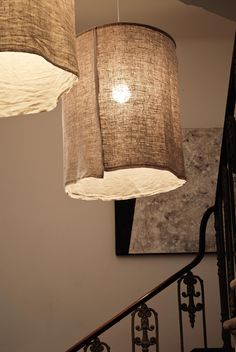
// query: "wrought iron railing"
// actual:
[[173, 278], [224, 211]]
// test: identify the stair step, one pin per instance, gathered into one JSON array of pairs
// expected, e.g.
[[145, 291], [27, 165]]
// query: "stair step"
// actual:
[[233, 284], [230, 325]]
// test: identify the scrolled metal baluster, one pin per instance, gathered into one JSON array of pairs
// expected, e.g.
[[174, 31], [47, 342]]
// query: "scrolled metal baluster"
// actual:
[[190, 282], [144, 314], [97, 346]]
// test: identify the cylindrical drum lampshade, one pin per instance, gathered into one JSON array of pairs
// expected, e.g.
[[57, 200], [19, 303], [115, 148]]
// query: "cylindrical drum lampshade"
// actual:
[[121, 123], [37, 54]]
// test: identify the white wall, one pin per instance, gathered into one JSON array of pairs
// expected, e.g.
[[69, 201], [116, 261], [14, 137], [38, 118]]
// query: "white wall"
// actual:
[[59, 276]]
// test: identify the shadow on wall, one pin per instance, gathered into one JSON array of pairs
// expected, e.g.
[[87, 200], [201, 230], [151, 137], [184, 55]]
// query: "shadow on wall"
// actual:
[[226, 8]]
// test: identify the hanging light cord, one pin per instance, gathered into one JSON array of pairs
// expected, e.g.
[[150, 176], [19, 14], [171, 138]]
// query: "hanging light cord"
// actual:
[[118, 10]]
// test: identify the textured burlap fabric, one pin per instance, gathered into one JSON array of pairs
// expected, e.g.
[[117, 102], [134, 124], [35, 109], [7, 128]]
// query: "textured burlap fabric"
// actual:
[[37, 54], [121, 125]]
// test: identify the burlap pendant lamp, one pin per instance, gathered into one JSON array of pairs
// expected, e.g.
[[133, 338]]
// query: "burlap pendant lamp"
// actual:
[[121, 123], [37, 54]]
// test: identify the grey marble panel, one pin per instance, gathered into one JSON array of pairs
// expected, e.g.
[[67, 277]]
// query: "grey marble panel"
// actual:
[[169, 222]]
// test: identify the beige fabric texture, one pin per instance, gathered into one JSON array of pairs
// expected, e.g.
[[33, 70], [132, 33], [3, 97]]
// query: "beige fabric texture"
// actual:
[[121, 122], [37, 54]]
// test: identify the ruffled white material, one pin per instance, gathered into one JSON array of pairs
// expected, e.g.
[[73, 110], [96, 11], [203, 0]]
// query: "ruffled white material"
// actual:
[[30, 84], [124, 184]]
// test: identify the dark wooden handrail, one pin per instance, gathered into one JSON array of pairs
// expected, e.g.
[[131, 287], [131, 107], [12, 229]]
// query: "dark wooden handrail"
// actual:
[[201, 251]]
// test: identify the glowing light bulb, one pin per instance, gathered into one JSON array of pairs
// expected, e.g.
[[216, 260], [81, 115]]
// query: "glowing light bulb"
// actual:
[[121, 93]]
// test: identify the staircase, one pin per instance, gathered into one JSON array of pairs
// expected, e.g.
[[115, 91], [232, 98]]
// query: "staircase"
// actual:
[[224, 213]]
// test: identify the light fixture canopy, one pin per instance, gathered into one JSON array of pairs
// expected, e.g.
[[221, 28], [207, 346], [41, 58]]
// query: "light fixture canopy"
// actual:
[[121, 122], [37, 54]]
